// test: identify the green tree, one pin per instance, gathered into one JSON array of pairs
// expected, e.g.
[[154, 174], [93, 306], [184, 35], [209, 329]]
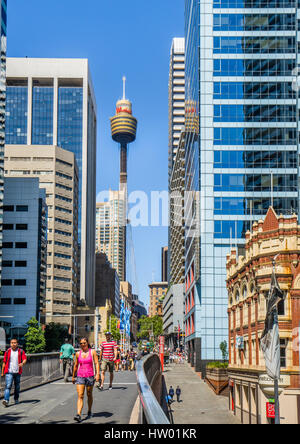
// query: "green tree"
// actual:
[[35, 338], [223, 348], [147, 325], [112, 326], [55, 335]]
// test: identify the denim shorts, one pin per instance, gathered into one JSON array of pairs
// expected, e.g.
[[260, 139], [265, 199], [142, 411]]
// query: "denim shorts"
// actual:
[[87, 382]]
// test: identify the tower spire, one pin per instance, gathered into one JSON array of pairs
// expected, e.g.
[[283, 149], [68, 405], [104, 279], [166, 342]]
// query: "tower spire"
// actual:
[[124, 86]]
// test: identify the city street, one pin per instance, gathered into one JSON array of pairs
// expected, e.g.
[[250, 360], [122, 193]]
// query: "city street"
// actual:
[[55, 403]]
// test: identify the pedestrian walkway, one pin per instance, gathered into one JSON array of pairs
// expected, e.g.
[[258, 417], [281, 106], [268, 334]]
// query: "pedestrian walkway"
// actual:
[[199, 404], [55, 403]]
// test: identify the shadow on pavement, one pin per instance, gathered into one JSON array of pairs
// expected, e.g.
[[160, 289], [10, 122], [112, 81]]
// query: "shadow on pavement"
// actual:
[[102, 414], [10, 418]]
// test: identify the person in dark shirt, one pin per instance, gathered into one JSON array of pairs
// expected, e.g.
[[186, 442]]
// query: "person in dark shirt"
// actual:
[[178, 393], [171, 392]]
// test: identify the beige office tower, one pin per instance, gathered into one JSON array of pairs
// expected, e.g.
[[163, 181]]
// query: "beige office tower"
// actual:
[[158, 290], [52, 102], [110, 234], [57, 171], [176, 97]]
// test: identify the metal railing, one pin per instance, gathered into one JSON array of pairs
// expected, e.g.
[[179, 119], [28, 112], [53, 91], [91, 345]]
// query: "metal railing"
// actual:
[[149, 373]]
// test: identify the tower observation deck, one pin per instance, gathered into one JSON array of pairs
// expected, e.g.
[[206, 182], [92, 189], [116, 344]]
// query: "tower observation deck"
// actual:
[[123, 131]]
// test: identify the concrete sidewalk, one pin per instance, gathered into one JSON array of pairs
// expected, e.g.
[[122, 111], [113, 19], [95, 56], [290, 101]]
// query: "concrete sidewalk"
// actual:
[[199, 403]]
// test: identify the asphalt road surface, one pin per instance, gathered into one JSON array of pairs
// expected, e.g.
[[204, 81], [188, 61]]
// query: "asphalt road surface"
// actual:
[[55, 403]]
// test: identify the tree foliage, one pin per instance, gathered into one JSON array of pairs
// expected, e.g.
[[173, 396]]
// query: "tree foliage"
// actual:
[[146, 324], [223, 348], [35, 338], [55, 335]]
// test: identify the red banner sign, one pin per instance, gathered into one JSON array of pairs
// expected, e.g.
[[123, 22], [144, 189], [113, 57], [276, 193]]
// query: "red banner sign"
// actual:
[[162, 350], [270, 410]]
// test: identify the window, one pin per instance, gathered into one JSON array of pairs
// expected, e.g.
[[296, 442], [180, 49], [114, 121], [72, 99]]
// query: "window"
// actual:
[[8, 208], [20, 263], [6, 282], [8, 245], [21, 245], [21, 226], [20, 282], [19, 301], [7, 263], [22, 208], [8, 226], [283, 345], [280, 308], [5, 301]]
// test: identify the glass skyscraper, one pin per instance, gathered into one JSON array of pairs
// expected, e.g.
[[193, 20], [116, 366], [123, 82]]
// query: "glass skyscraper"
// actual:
[[3, 18], [52, 102], [240, 57]]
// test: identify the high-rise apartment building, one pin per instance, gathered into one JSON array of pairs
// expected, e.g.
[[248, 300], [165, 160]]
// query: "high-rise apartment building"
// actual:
[[57, 172], [110, 235], [24, 252], [51, 102], [241, 150], [176, 97], [3, 18]]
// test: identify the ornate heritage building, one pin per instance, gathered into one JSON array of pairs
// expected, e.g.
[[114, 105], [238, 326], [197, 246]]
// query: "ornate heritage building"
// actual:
[[248, 283]]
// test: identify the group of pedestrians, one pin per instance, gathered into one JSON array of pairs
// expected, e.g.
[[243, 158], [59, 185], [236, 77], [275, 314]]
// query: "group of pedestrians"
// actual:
[[84, 364]]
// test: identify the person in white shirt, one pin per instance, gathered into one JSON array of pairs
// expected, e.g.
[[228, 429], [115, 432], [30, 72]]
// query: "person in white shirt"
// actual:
[[13, 362]]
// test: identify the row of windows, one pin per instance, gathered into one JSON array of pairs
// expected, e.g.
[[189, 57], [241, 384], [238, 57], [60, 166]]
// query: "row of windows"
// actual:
[[254, 3], [250, 67], [7, 263], [17, 245], [63, 221], [253, 206], [251, 45], [65, 199], [230, 229], [254, 113], [18, 208], [65, 176], [253, 90], [255, 182], [16, 301], [9, 282], [255, 136], [254, 22], [255, 159], [18, 226]]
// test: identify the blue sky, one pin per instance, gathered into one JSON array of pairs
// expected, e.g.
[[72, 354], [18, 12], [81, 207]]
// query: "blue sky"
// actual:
[[131, 38]]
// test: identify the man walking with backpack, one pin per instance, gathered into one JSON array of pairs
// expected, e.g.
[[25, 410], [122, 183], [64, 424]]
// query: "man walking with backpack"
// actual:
[[13, 362]]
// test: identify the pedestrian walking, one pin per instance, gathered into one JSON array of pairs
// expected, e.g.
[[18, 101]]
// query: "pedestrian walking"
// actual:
[[171, 392], [178, 393], [86, 363], [108, 356], [66, 357], [13, 362], [118, 360], [132, 356]]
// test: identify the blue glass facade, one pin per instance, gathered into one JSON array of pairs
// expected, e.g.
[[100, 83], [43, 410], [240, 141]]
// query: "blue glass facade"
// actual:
[[248, 143], [42, 115], [69, 129], [16, 115]]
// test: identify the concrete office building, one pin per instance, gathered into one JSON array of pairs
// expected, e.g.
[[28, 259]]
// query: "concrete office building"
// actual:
[[158, 291], [3, 19], [241, 152], [51, 102], [24, 251], [110, 235], [107, 285], [57, 172]]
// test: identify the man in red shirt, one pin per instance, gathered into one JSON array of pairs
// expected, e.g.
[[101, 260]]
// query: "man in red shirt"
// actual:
[[13, 362], [108, 355]]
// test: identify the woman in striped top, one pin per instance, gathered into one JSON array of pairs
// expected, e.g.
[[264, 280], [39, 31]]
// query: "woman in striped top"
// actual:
[[108, 355]]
